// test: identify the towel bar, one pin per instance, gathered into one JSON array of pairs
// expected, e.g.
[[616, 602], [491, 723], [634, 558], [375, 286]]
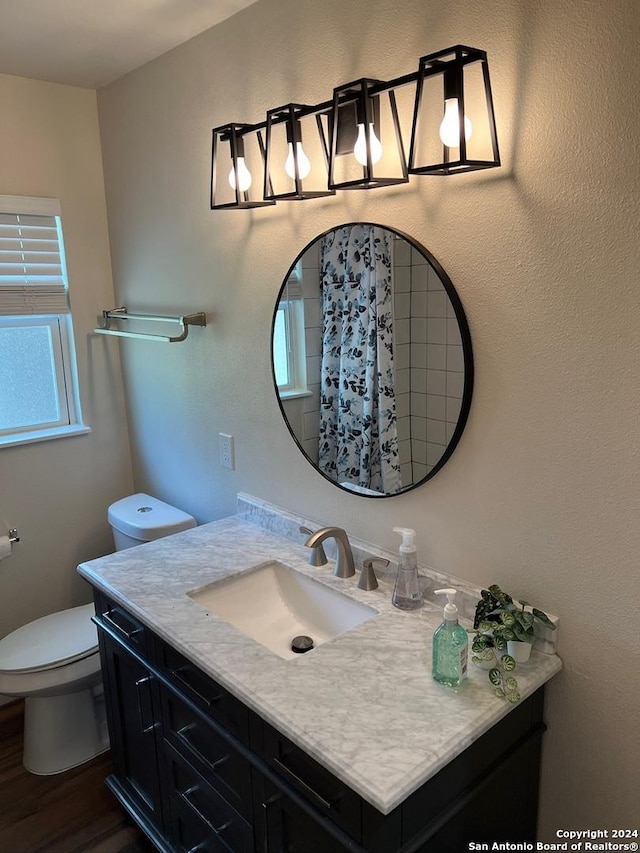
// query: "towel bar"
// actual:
[[198, 319]]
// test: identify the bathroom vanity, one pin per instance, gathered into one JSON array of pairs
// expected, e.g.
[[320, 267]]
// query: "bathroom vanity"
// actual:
[[220, 744]]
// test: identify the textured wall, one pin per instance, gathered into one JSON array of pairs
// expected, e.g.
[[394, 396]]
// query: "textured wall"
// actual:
[[56, 492], [542, 493]]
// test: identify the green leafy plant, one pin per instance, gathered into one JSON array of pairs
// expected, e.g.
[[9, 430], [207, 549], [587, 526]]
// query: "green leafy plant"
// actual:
[[484, 647], [499, 620], [505, 685], [485, 650], [498, 613]]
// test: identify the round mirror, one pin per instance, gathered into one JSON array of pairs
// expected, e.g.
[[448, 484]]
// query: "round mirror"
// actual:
[[372, 359]]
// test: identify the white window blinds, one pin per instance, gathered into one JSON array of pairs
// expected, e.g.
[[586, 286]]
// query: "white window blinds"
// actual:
[[32, 268]]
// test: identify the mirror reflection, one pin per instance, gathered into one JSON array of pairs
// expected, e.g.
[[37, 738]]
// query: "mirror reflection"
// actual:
[[372, 359]]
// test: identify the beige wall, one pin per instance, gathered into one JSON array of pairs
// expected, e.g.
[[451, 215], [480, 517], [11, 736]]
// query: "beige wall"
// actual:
[[542, 494], [56, 492]]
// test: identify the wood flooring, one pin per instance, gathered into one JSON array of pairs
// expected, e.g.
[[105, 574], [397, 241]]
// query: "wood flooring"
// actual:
[[66, 813]]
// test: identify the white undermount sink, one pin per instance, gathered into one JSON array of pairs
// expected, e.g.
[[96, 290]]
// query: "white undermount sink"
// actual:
[[273, 604]]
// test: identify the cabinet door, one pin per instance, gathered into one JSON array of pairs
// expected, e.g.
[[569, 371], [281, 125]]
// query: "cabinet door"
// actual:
[[129, 692], [501, 808]]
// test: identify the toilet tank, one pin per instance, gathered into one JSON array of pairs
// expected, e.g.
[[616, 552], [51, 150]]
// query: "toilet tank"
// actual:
[[141, 518]]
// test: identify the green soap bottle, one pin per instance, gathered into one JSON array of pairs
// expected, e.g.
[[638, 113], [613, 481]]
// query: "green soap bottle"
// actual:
[[450, 645]]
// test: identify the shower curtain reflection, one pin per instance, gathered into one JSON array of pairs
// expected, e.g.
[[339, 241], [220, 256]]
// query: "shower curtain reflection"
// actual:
[[358, 444]]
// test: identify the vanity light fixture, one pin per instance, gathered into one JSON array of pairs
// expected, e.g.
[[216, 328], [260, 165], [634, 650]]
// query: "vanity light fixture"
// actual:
[[237, 167], [366, 143], [355, 140], [297, 159], [458, 77]]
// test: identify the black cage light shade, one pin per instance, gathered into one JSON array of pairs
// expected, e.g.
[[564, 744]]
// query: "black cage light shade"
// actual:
[[454, 128], [237, 167], [297, 157], [366, 142]]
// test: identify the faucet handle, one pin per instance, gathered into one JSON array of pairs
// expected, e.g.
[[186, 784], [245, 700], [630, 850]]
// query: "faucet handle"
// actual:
[[317, 556], [368, 579]]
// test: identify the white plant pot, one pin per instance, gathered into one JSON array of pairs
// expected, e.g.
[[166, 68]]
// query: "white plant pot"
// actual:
[[519, 651]]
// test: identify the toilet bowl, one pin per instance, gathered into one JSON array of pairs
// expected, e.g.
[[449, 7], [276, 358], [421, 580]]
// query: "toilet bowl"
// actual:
[[55, 665], [54, 662]]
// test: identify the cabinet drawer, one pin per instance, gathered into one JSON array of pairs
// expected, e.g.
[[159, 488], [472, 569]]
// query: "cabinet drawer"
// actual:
[[286, 828], [320, 787], [192, 735], [201, 819], [125, 626], [214, 700]]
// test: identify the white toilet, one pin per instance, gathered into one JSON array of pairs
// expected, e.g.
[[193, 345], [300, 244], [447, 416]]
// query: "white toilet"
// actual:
[[54, 661]]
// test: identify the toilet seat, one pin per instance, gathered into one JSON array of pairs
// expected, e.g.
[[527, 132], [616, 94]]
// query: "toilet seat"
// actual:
[[53, 641]]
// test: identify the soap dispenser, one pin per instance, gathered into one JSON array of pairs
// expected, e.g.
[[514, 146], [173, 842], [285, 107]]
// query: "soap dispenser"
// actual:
[[406, 593], [450, 645]]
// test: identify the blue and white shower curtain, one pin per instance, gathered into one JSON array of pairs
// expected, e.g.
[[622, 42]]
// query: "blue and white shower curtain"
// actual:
[[358, 442]]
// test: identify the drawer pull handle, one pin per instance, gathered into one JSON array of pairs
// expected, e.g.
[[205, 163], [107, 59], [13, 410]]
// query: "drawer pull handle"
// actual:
[[271, 801], [186, 797], [183, 734], [309, 790], [145, 729], [177, 674], [108, 618], [268, 833]]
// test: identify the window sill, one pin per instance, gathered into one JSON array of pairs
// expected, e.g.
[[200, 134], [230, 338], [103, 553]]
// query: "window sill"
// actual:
[[294, 393], [43, 435]]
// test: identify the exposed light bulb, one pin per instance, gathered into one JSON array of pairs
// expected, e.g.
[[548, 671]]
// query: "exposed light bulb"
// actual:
[[360, 148], [244, 176], [304, 166], [450, 125]]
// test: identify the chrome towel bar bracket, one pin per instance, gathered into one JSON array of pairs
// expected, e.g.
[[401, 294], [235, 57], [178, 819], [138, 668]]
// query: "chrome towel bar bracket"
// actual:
[[118, 314]]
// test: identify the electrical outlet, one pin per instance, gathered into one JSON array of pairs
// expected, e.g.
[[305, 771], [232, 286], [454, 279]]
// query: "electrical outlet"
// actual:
[[227, 457]]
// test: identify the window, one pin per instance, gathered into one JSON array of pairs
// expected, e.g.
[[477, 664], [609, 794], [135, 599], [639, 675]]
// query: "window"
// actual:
[[289, 356], [38, 380]]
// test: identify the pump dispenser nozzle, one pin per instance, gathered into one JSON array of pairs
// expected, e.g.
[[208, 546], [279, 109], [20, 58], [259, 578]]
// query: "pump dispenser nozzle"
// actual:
[[408, 538], [450, 610]]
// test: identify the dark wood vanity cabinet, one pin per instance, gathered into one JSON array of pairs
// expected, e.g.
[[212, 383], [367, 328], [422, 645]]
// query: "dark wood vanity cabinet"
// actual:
[[199, 771]]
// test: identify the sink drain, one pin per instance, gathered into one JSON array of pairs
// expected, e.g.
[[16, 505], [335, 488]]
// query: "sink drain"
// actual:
[[301, 644]]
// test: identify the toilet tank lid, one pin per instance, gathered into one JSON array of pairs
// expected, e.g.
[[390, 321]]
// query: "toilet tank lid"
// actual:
[[50, 641], [144, 517]]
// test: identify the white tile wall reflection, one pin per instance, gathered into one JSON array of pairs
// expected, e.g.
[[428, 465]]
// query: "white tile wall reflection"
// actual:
[[429, 364]]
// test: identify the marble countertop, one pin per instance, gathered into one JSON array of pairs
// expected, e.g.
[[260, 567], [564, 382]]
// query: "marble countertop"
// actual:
[[364, 704]]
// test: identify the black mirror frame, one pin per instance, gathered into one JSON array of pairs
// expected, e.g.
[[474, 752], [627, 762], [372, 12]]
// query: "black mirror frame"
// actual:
[[467, 353]]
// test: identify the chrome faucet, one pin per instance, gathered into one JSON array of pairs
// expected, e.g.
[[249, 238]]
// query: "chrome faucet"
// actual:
[[344, 563]]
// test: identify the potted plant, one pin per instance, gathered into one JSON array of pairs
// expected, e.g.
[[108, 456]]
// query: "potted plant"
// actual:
[[505, 621]]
